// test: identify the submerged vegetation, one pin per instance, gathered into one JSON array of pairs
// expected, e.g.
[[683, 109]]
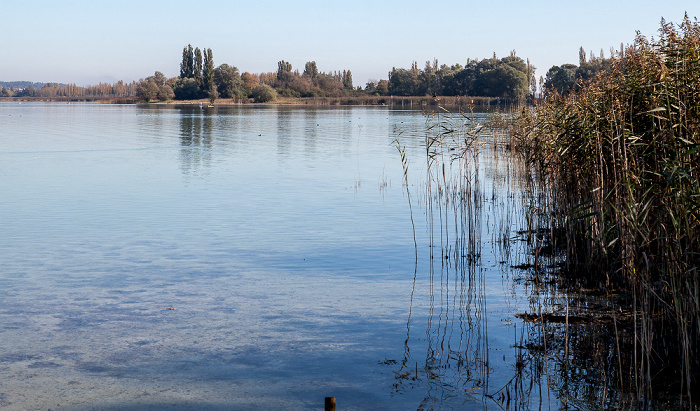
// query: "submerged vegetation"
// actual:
[[621, 157]]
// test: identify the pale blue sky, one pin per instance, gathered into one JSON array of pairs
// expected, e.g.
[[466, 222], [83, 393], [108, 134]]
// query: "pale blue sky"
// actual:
[[86, 42]]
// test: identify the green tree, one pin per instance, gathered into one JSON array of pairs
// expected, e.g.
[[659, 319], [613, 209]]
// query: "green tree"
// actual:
[[198, 66], [285, 77], [187, 89], [531, 77], [187, 64], [310, 70], [589, 69], [29, 91], [506, 77], [165, 91], [155, 87], [447, 80], [383, 87], [284, 67], [561, 79], [228, 82], [329, 84], [147, 90], [404, 82], [371, 86], [347, 80], [208, 71], [485, 65], [428, 78], [502, 81], [568, 77], [516, 62], [462, 83]]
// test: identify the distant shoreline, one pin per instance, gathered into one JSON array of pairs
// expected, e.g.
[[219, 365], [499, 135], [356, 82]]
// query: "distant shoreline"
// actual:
[[393, 101], [91, 99]]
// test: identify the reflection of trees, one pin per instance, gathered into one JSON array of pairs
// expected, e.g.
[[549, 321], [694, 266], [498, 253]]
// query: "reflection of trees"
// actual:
[[196, 128], [311, 127], [284, 132]]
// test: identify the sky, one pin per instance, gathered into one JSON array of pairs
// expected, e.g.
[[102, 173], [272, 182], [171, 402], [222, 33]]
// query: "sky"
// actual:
[[92, 41]]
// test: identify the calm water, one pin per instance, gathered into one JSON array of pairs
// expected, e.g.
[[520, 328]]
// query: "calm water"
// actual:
[[246, 258]]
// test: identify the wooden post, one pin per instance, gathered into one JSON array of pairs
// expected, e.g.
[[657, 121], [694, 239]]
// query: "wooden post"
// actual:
[[330, 404]]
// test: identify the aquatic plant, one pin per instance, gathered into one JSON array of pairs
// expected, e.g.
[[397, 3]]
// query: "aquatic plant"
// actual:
[[622, 157], [465, 199], [456, 357]]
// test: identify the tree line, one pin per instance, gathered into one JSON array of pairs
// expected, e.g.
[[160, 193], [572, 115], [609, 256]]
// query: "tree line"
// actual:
[[199, 78], [570, 77], [509, 77], [53, 90]]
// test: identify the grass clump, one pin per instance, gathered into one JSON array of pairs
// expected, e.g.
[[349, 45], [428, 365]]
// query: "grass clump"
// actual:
[[622, 156]]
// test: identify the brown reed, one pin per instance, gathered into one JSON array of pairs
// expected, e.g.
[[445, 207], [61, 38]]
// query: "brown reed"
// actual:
[[622, 156]]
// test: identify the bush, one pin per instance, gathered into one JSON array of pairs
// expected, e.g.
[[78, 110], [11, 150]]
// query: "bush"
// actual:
[[263, 94], [288, 92]]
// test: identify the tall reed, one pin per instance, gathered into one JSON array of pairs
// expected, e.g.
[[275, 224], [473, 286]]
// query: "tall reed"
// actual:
[[623, 158], [472, 189]]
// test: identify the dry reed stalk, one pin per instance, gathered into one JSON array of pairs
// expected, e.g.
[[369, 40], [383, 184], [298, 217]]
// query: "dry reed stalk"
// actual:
[[623, 155]]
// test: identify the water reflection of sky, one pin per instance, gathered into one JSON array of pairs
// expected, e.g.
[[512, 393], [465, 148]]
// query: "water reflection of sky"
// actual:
[[281, 236]]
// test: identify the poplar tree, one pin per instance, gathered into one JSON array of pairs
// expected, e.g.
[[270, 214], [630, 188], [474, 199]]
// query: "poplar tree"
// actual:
[[183, 63], [284, 74], [310, 70], [208, 70], [347, 79], [197, 73], [187, 65], [283, 67]]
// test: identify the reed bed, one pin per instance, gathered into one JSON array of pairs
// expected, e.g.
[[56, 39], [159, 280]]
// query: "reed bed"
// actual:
[[470, 202], [622, 159]]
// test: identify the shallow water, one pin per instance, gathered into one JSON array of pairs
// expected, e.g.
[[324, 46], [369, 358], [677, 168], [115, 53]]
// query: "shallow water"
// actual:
[[245, 258]]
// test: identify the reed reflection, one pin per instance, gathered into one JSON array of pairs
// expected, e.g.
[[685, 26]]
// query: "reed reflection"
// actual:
[[570, 347], [471, 208], [455, 365]]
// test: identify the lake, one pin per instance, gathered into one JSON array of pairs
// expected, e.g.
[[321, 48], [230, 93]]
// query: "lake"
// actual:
[[256, 257]]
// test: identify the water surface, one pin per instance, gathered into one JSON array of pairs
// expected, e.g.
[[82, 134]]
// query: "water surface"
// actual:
[[244, 258]]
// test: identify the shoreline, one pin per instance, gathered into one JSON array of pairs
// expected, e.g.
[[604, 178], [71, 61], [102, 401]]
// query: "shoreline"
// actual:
[[392, 101]]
